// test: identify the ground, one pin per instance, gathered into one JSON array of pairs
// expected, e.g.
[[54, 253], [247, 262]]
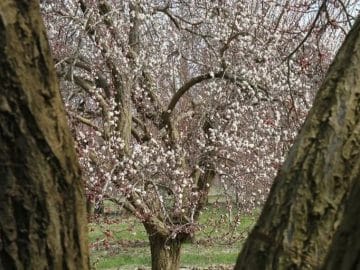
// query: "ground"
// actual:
[[120, 242]]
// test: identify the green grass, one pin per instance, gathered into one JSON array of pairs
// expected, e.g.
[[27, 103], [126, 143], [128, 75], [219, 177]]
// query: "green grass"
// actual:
[[204, 256], [122, 243], [191, 256], [129, 258], [126, 229]]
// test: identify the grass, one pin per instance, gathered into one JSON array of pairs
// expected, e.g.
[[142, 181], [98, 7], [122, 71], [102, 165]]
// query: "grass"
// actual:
[[138, 257], [121, 243], [192, 255]]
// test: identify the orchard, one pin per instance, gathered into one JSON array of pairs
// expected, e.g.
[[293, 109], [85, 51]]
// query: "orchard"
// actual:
[[168, 100]]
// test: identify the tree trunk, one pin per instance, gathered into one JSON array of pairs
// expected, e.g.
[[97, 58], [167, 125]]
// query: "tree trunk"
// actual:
[[165, 249], [345, 249], [165, 252], [306, 202], [89, 208], [42, 205], [99, 208]]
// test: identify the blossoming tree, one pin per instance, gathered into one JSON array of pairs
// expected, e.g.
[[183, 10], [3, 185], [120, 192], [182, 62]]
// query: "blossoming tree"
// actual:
[[169, 98]]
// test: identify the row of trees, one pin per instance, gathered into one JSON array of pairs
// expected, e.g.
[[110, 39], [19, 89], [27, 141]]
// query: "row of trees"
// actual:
[[42, 209]]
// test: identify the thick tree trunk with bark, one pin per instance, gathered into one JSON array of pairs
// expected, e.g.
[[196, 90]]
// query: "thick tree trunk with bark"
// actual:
[[42, 206], [345, 249], [165, 249], [165, 252], [306, 202]]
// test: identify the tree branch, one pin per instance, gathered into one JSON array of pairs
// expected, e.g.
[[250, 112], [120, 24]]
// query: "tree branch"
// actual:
[[321, 9], [198, 79], [85, 121]]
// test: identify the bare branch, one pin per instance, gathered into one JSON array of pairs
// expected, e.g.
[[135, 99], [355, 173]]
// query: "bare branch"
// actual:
[[196, 80], [85, 121], [349, 17], [321, 9]]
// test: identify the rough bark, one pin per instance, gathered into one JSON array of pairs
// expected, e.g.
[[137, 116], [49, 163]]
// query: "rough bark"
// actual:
[[165, 252], [345, 249], [306, 202], [42, 206]]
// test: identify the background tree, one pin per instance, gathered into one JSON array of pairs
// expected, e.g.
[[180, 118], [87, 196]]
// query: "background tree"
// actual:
[[306, 203], [169, 98], [42, 204]]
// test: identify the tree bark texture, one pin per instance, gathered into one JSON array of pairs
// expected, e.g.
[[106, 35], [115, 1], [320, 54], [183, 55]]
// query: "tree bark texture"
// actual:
[[165, 252], [165, 248], [345, 249], [306, 203], [42, 205]]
